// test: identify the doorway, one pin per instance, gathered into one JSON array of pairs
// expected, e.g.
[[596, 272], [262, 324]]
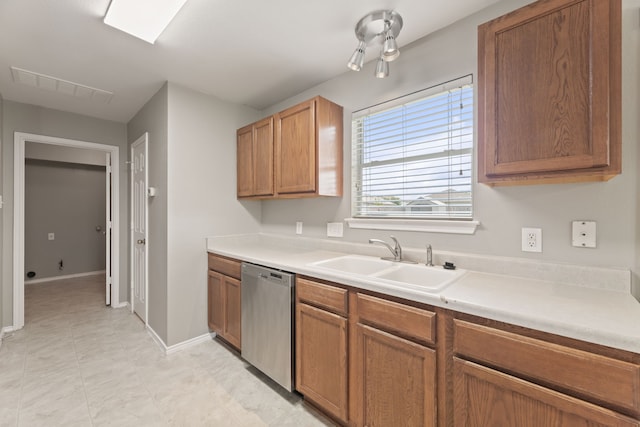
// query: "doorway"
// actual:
[[112, 241]]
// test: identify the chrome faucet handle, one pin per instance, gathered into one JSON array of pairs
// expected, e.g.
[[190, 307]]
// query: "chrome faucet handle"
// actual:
[[429, 262], [397, 250]]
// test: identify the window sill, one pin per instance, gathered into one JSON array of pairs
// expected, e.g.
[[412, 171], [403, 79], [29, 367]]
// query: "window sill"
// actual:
[[425, 225]]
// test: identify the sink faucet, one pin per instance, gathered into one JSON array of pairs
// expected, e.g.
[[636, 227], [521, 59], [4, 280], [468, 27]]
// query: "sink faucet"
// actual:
[[396, 250], [429, 262]]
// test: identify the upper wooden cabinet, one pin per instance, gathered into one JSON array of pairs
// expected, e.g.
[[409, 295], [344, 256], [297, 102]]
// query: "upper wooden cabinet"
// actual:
[[549, 93], [294, 153], [255, 159]]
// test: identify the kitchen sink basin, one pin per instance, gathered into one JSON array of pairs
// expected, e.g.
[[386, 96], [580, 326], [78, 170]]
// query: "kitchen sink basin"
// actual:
[[421, 276], [355, 264], [416, 276]]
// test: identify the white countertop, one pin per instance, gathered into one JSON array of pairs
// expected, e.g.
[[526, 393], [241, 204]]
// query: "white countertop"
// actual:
[[601, 316]]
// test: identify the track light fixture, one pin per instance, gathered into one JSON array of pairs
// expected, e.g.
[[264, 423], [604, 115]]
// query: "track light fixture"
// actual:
[[357, 59], [382, 67], [381, 26]]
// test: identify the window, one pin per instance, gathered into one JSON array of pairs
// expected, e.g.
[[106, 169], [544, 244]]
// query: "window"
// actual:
[[412, 156]]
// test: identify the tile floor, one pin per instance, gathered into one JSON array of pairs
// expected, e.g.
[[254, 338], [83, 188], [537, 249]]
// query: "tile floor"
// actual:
[[79, 363]]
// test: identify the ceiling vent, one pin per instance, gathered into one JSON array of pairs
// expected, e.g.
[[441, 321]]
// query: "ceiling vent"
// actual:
[[55, 84]]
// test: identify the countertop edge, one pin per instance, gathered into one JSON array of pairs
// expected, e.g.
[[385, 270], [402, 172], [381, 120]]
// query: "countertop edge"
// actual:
[[463, 297]]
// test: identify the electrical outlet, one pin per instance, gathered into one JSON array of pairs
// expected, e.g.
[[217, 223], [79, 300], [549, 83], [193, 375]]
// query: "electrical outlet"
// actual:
[[299, 227], [532, 240]]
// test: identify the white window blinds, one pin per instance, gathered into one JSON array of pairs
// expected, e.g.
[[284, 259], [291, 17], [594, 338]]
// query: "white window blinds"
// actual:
[[412, 156]]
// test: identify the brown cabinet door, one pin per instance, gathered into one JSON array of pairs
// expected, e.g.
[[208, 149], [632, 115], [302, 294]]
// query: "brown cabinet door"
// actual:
[[296, 149], [485, 397], [244, 160], [215, 294], [233, 311], [321, 359], [549, 91], [263, 157], [394, 381]]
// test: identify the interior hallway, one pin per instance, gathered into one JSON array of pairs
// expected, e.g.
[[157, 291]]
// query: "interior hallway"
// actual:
[[79, 363]]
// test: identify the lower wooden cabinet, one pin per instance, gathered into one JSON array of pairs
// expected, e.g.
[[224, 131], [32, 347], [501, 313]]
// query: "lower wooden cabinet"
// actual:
[[364, 360], [394, 380], [215, 298], [368, 360], [224, 300], [510, 376], [321, 358], [233, 313], [486, 397]]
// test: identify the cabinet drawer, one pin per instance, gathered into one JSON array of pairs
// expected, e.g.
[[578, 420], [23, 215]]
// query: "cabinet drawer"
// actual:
[[226, 266], [398, 318], [324, 296], [587, 374], [485, 396]]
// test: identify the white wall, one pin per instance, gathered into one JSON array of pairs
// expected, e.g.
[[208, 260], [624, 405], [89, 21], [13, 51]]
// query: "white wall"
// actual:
[[502, 211], [153, 118], [18, 117], [202, 199]]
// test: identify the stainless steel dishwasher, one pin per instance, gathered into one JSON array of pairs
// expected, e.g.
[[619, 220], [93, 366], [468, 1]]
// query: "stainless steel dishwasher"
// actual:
[[267, 322]]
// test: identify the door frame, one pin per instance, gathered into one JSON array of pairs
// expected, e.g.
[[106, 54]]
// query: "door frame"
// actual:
[[20, 139], [143, 139]]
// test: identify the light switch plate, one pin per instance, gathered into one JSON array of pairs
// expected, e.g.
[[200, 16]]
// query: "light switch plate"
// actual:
[[335, 229], [51, 236], [583, 234], [299, 227]]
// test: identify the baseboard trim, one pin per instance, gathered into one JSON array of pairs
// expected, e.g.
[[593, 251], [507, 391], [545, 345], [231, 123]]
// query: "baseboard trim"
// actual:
[[181, 345], [68, 276], [188, 343], [5, 330], [157, 339], [120, 305]]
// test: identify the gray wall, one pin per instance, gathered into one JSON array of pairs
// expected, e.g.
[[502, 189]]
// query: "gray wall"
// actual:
[[67, 199], [1, 212], [192, 165], [35, 150], [202, 199], [630, 122], [153, 118], [18, 117], [502, 212]]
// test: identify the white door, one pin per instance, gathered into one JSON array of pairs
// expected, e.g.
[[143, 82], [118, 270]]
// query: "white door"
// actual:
[[139, 226], [107, 231]]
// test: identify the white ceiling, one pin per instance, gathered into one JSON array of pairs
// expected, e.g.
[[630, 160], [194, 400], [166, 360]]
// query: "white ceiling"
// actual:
[[251, 52]]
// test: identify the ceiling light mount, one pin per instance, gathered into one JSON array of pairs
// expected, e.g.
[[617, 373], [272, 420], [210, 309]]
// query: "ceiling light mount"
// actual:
[[382, 27]]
